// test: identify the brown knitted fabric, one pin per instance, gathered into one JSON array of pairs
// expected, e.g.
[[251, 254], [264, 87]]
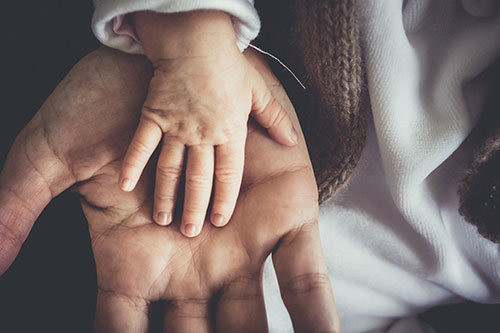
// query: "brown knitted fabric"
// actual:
[[319, 40], [480, 192]]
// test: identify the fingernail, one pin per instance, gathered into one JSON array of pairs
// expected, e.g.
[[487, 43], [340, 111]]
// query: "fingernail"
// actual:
[[163, 218], [217, 220], [126, 184], [294, 136], [190, 230]]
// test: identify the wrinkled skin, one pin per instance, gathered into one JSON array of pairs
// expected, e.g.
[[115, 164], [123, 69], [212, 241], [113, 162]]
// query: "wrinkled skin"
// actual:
[[213, 281]]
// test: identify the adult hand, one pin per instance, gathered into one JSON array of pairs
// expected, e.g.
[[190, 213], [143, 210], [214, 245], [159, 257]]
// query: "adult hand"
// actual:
[[80, 136]]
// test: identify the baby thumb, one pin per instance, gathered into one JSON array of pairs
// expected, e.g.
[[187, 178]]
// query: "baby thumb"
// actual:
[[271, 115]]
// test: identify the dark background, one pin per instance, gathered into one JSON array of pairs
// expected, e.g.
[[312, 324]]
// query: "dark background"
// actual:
[[51, 287]]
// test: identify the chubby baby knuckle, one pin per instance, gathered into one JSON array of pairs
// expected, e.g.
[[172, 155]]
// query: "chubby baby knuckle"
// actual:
[[263, 103], [163, 117], [273, 105], [193, 211], [138, 149], [149, 119], [169, 172], [197, 182], [149, 111], [277, 117], [164, 197], [227, 176]]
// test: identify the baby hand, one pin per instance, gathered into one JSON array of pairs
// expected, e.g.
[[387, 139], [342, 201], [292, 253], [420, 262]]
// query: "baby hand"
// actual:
[[198, 102]]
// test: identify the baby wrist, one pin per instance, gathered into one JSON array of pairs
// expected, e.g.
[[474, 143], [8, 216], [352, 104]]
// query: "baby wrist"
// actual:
[[197, 33]]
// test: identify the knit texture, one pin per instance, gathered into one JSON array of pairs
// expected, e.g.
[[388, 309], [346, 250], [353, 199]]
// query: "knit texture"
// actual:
[[320, 41]]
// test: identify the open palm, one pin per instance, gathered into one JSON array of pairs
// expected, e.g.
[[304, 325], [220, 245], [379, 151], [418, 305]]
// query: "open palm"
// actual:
[[212, 281]]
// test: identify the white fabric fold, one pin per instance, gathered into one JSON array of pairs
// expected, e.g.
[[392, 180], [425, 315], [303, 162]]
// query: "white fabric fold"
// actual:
[[114, 28]]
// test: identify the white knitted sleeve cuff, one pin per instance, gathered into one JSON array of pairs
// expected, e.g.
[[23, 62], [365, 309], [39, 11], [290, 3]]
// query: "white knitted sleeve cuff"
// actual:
[[114, 28]]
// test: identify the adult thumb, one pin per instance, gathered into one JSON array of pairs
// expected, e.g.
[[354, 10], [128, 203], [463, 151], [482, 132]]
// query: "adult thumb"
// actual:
[[31, 177]]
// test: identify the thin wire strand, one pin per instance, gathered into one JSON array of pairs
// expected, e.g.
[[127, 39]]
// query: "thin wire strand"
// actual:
[[280, 62]]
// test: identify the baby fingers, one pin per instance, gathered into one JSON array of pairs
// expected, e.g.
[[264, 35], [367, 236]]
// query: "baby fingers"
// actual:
[[168, 175], [229, 160], [271, 115], [146, 138], [199, 177]]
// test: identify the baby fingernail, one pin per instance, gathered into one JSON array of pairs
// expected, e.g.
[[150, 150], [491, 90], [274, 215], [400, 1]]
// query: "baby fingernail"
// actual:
[[218, 220], [163, 218], [126, 184], [190, 230], [294, 136]]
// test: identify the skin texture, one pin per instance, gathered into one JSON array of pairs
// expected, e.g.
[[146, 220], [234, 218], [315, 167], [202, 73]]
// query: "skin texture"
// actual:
[[198, 103], [211, 282]]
